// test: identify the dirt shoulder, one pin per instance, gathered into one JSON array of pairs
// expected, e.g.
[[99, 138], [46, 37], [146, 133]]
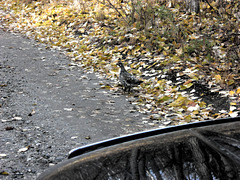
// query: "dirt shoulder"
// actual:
[[49, 107]]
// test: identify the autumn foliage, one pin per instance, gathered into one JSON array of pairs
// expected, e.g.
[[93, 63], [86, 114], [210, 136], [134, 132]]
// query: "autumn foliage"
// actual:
[[172, 49]]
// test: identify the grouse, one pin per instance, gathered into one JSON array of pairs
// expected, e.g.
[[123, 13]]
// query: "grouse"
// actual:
[[127, 80]]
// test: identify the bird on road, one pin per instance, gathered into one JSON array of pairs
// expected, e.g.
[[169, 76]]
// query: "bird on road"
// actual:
[[127, 80]]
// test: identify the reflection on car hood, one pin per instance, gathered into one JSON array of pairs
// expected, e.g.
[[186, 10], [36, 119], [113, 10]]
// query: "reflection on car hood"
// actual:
[[208, 150]]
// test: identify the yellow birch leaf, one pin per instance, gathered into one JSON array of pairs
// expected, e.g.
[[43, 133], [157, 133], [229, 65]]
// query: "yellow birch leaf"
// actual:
[[4, 173], [218, 77], [195, 112], [165, 53], [175, 58], [202, 104], [180, 101], [164, 98], [115, 48], [188, 85], [132, 65], [231, 93], [187, 118], [230, 82], [238, 91]]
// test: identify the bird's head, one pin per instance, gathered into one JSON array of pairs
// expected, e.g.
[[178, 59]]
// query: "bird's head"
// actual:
[[120, 64]]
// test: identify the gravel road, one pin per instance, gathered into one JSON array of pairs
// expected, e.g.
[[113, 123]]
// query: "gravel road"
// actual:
[[49, 107]]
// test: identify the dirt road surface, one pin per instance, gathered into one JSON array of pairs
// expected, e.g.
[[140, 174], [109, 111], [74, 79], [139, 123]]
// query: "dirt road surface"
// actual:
[[49, 107]]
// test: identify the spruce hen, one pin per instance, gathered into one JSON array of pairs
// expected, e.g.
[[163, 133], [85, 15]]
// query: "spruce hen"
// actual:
[[127, 80]]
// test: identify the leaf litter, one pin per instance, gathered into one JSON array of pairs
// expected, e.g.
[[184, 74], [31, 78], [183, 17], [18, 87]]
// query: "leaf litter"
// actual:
[[189, 62]]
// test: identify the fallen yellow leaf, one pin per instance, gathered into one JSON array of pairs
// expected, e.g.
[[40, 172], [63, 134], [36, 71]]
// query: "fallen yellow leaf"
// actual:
[[218, 78], [180, 101], [188, 118], [238, 90], [165, 53], [4, 173]]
